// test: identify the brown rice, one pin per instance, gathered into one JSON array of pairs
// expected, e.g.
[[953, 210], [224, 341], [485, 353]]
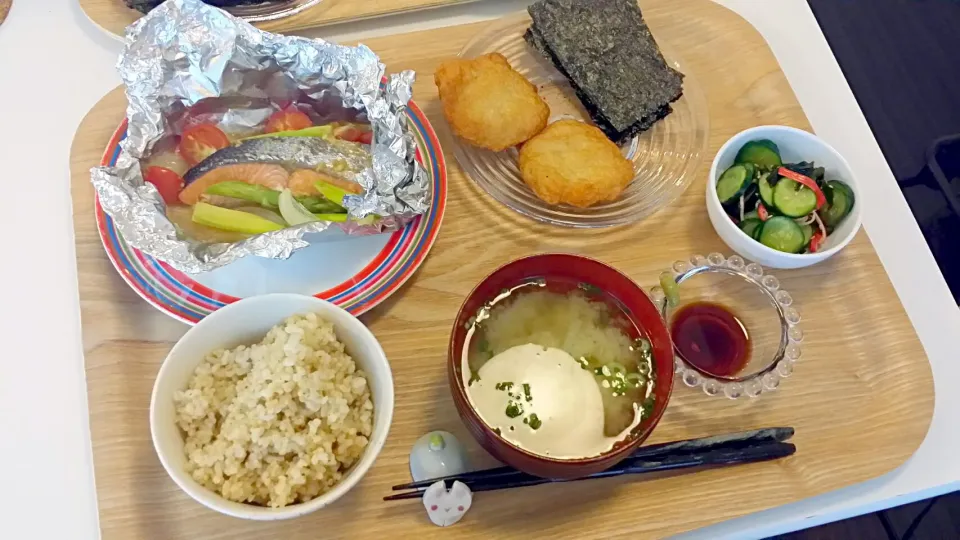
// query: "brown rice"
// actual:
[[278, 422]]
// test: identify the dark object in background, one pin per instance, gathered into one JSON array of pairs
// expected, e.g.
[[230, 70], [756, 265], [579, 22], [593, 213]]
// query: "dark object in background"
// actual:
[[923, 520], [612, 61], [934, 197], [900, 59], [144, 6], [943, 159]]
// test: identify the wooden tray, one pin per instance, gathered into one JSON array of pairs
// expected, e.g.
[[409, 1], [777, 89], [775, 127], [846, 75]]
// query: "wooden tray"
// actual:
[[113, 16], [4, 9], [861, 398]]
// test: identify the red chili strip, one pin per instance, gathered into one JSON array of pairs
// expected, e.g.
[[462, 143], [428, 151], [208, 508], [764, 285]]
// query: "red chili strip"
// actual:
[[762, 212], [806, 181], [815, 241]]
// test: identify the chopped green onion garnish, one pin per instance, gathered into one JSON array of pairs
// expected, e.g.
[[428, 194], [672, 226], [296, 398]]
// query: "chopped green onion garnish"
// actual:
[[616, 369]]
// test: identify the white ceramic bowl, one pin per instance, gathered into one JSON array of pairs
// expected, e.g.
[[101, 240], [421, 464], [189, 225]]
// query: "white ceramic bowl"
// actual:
[[795, 145], [245, 322]]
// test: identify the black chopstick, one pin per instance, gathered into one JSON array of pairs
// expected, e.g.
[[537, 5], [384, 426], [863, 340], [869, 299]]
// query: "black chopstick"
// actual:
[[764, 451], [741, 439]]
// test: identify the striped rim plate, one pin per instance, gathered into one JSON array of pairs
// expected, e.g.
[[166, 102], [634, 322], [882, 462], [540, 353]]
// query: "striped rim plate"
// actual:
[[182, 297]]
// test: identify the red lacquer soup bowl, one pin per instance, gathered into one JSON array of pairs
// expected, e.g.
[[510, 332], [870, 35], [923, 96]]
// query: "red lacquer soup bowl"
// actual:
[[567, 269]]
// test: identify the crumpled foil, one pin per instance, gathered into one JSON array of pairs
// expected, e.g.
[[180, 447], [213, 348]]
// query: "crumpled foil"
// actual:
[[185, 53]]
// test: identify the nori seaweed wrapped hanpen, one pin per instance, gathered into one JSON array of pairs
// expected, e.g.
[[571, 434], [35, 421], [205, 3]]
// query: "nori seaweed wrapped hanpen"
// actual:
[[612, 61]]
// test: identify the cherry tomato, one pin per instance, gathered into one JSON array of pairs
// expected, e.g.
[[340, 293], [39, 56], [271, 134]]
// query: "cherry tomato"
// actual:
[[198, 142], [353, 133], [347, 133], [288, 119], [167, 182]]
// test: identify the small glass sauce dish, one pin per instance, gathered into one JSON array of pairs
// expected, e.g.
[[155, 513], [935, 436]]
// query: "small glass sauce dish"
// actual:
[[734, 329]]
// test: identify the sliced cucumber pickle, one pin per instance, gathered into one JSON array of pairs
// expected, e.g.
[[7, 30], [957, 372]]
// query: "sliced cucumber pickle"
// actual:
[[766, 190], [782, 234], [840, 201], [750, 226], [733, 181], [763, 153], [793, 198], [807, 233]]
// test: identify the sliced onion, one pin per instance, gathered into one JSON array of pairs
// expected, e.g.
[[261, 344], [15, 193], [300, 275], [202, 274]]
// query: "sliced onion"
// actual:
[[260, 211], [168, 159], [823, 230], [223, 201], [292, 211]]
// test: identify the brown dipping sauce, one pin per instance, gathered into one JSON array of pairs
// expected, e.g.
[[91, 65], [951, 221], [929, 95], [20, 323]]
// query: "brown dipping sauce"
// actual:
[[711, 338]]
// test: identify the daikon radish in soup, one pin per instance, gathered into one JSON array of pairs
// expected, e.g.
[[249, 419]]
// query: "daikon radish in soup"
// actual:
[[558, 369]]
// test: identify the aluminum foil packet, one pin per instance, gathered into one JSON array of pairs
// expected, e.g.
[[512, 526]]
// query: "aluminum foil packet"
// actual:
[[187, 59]]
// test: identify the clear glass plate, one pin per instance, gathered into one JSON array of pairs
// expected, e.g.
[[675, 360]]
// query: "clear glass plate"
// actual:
[[269, 11], [764, 308], [665, 158]]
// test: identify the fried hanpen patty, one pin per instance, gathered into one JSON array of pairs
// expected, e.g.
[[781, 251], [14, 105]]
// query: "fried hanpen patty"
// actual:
[[488, 103], [574, 163]]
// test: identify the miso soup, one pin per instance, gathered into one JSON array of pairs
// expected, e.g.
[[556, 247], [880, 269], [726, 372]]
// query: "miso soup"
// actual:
[[558, 369]]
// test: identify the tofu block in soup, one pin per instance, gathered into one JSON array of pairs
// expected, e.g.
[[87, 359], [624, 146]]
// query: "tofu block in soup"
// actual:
[[558, 369]]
